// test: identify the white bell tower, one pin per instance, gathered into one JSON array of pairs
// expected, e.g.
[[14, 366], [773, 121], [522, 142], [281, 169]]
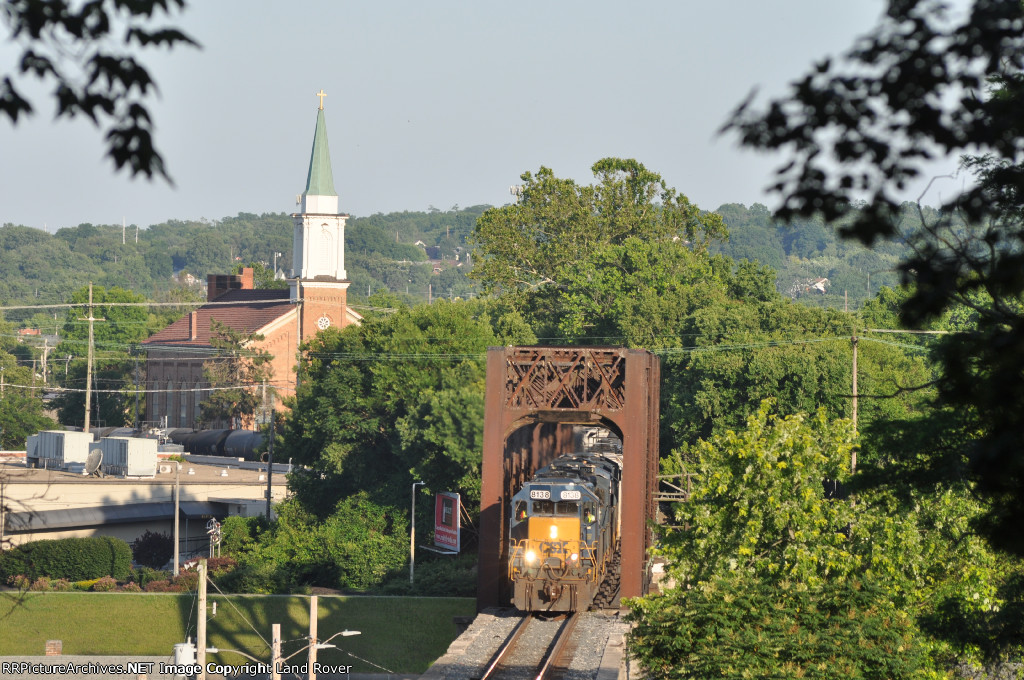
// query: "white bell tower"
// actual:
[[318, 261]]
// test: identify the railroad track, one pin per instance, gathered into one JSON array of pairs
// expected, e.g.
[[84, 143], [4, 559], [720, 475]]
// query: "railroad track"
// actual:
[[537, 649]]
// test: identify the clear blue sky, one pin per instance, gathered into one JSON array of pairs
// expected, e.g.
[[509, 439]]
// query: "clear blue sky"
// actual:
[[430, 103]]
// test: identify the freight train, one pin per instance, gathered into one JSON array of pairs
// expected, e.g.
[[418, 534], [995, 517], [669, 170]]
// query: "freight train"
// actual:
[[242, 444], [564, 526]]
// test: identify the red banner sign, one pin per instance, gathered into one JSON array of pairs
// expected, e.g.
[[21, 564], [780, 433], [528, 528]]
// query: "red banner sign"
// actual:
[[446, 521]]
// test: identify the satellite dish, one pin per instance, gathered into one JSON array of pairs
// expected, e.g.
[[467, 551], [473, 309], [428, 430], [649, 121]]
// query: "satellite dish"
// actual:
[[93, 461]]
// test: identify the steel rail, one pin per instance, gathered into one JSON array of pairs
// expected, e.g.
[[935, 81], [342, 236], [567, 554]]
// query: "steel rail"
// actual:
[[557, 645], [507, 647]]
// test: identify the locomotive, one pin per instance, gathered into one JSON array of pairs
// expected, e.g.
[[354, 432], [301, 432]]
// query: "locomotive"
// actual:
[[563, 529]]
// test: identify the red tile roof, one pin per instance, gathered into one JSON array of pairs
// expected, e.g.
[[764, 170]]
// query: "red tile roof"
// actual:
[[263, 306]]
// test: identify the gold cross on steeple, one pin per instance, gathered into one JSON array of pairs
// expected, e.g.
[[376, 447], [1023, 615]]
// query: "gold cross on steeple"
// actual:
[[321, 94]]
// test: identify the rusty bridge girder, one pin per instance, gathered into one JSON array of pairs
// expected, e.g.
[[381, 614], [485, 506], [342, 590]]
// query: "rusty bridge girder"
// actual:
[[535, 395]]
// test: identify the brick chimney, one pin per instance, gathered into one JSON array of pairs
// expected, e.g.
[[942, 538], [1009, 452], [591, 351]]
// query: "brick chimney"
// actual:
[[218, 284], [247, 278], [193, 325]]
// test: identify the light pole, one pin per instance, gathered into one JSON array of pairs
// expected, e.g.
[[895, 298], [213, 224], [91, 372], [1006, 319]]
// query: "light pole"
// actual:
[[276, 255], [412, 532]]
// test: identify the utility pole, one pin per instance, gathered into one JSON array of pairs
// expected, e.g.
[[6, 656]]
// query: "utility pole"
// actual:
[[412, 532], [88, 368], [135, 354], [46, 352], [270, 461], [201, 623], [275, 651], [311, 674], [3, 512], [177, 503], [853, 455]]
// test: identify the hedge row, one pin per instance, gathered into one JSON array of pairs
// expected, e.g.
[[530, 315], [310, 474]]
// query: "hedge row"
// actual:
[[74, 559]]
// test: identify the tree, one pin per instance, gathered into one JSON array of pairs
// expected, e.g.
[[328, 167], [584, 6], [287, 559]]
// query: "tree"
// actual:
[[397, 399], [770, 573], [587, 263], [357, 546], [922, 86], [556, 221], [235, 374], [75, 48], [782, 568], [21, 405]]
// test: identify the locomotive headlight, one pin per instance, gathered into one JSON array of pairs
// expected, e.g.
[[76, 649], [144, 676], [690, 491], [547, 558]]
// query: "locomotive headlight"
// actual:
[[554, 531], [531, 557], [573, 557]]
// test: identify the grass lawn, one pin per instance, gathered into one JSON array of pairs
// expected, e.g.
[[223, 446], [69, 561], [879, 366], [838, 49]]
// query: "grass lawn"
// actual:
[[399, 634]]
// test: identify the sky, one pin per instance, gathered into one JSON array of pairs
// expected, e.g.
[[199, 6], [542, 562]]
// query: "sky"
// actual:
[[429, 103]]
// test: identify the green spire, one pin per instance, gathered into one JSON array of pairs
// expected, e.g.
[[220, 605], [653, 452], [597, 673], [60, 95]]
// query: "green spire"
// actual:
[[320, 181]]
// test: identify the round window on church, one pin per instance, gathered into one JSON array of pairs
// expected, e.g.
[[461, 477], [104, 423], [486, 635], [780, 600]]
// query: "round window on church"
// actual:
[[323, 322]]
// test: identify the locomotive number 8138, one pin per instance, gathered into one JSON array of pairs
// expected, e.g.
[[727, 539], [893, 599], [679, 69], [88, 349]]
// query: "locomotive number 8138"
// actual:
[[563, 528]]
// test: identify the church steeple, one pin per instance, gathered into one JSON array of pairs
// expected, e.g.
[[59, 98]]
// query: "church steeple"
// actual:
[[318, 255], [319, 239], [320, 196]]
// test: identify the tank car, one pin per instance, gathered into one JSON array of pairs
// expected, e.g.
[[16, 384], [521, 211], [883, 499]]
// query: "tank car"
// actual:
[[563, 529]]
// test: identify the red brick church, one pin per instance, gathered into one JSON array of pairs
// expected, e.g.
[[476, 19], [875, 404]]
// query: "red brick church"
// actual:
[[315, 300]]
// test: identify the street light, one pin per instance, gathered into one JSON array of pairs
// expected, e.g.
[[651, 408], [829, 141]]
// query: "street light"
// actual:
[[412, 532], [276, 255], [325, 644]]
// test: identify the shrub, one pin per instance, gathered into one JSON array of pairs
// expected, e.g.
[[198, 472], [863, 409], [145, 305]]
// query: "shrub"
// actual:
[[444, 576], [41, 584], [361, 542], [158, 587], [261, 578], [130, 587], [61, 585], [19, 581], [186, 581], [104, 585], [84, 585], [120, 558], [75, 559], [153, 549], [217, 566], [239, 534], [146, 575]]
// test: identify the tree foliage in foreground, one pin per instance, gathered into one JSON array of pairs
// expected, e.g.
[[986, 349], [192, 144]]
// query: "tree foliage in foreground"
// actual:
[[95, 74], [926, 85], [777, 571]]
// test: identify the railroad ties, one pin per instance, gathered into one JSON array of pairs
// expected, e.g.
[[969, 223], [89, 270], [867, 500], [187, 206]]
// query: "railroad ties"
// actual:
[[538, 648]]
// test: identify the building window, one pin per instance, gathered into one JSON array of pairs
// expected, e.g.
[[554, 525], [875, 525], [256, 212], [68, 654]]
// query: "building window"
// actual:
[[183, 395], [196, 411], [154, 396], [169, 405]]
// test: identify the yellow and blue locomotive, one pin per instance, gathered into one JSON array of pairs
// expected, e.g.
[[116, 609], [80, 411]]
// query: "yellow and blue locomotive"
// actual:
[[563, 529]]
